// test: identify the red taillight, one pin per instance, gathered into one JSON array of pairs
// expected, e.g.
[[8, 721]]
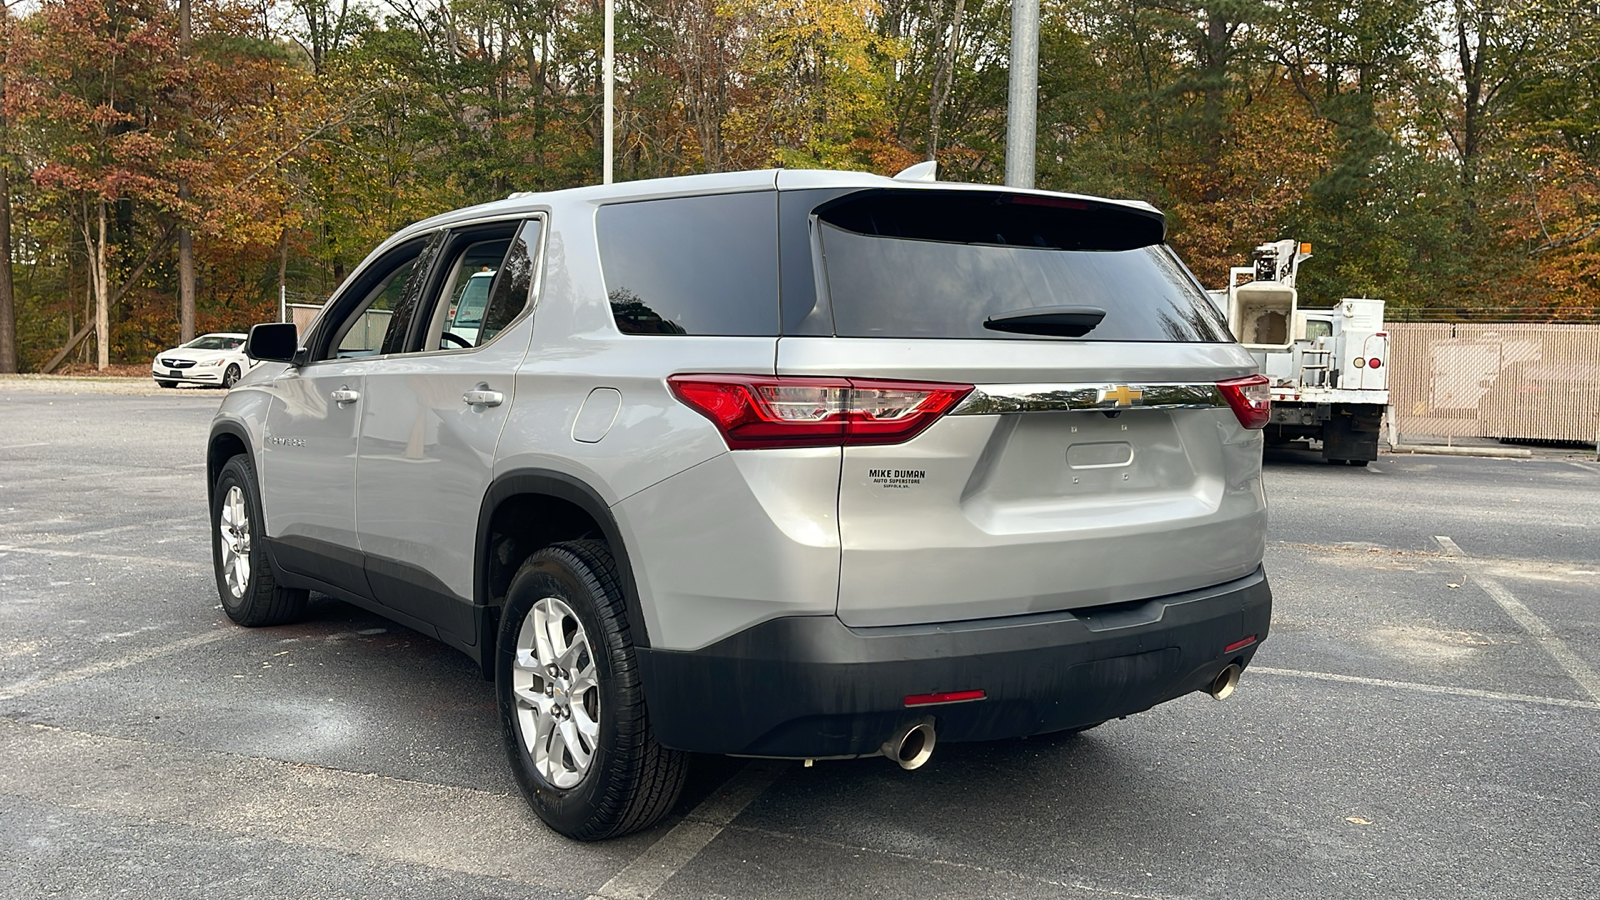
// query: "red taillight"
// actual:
[[944, 697], [1375, 362], [1250, 397], [756, 411]]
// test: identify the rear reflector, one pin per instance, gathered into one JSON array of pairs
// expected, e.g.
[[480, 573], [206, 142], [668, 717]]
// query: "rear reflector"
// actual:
[[944, 697], [1239, 645], [763, 411], [1250, 397], [1375, 362]]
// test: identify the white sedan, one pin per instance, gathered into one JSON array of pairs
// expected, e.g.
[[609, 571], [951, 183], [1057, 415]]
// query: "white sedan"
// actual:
[[214, 359]]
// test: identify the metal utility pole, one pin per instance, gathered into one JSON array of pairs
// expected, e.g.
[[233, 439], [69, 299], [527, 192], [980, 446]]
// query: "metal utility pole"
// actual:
[[609, 72], [1022, 111]]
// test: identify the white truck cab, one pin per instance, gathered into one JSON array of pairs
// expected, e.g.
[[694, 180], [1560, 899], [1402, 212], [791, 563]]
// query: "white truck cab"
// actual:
[[1329, 368]]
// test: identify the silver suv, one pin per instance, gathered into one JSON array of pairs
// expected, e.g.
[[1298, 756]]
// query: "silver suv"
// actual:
[[796, 464]]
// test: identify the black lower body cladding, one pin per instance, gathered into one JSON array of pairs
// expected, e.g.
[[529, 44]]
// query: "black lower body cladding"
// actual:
[[810, 686]]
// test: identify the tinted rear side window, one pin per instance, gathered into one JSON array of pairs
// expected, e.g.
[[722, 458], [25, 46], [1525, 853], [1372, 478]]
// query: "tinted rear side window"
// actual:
[[927, 264], [693, 265]]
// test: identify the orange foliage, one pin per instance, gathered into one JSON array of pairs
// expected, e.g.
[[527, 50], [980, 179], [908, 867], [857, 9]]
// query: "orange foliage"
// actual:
[[1555, 219], [1274, 149]]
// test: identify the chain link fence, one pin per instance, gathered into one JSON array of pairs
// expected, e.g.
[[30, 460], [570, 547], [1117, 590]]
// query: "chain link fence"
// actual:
[[302, 314], [1503, 380]]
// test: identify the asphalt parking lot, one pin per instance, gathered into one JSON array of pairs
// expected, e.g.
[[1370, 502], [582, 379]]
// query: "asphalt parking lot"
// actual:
[[1423, 722]]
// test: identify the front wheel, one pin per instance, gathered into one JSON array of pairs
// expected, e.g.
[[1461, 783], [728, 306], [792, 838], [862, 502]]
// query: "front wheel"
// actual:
[[230, 377], [166, 384], [246, 582], [571, 703]]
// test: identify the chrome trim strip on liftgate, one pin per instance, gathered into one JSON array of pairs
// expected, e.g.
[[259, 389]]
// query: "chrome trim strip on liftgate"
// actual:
[[991, 399]]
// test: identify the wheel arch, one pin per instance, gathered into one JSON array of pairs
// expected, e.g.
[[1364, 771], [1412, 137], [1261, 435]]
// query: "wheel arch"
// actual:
[[228, 439], [525, 510]]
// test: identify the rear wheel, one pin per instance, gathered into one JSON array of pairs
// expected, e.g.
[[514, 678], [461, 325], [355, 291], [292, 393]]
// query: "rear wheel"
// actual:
[[571, 704], [245, 580]]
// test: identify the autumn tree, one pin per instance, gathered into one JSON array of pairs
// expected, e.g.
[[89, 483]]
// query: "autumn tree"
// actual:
[[92, 76], [816, 69]]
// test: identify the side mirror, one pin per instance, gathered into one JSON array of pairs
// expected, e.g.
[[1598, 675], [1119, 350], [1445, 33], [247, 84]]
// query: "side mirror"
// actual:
[[273, 342]]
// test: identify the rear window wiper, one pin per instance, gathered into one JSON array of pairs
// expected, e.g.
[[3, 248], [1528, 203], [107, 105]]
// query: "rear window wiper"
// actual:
[[1056, 321]]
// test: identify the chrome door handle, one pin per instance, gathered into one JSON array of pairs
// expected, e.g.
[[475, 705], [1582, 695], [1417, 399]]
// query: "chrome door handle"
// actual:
[[483, 397], [345, 395]]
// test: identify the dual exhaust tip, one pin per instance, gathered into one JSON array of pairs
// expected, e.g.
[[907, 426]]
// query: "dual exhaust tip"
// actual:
[[912, 746]]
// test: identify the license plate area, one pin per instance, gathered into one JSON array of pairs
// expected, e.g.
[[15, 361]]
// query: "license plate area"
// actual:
[[1079, 455]]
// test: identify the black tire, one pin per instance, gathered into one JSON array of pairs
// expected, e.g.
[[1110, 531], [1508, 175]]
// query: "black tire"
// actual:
[[230, 377], [632, 781], [261, 601], [1359, 462], [166, 384]]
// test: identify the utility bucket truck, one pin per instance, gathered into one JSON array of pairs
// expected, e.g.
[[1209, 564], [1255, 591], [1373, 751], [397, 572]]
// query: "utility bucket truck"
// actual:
[[1329, 368]]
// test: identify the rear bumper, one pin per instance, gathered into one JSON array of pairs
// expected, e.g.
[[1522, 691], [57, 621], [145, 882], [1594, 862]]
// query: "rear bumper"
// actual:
[[810, 686]]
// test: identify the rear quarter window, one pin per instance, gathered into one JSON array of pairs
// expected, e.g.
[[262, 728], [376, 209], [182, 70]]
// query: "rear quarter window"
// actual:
[[932, 264], [692, 265]]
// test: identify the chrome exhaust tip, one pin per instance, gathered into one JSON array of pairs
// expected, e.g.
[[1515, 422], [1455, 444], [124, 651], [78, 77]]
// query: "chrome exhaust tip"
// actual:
[[1222, 687], [911, 747]]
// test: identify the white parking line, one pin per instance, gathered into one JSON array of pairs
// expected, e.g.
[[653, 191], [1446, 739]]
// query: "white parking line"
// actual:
[[640, 879], [17, 689], [1569, 662], [1426, 688], [143, 560]]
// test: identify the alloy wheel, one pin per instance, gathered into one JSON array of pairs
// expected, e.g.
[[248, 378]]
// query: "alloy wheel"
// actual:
[[557, 692], [233, 528]]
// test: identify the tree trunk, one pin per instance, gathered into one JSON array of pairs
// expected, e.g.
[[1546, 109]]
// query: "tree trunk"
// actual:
[[283, 274], [102, 299], [8, 308], [186, 316], [1472, 77], [943, 79], [1214, 80]]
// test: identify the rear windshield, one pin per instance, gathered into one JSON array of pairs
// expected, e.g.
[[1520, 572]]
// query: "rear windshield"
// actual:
[[926, 264]]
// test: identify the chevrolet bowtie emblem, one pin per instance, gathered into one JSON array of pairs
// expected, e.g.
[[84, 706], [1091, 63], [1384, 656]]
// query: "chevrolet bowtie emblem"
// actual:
[[1122, 395]]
